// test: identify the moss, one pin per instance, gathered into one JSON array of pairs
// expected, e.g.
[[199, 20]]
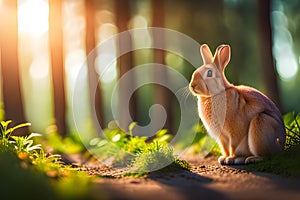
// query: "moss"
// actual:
[[285, 164]]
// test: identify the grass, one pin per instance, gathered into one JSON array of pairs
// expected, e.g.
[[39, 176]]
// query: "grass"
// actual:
[[23, 161], [288, 162], [156, 157], [139, 153]]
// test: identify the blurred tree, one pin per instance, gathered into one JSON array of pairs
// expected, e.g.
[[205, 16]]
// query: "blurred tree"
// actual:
[[202, 20], [95, 90], [57, 62], [12, 96], [265, 46], [162, 95], [125, 63]]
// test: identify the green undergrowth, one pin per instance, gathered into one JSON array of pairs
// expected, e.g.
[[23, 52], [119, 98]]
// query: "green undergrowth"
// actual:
[[156, 157], [141, 154], [286, 163], [61, 145], [202, 144], [27, 172]]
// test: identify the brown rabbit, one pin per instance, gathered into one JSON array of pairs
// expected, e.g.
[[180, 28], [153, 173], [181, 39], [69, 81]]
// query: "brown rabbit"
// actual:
[[246, 124]]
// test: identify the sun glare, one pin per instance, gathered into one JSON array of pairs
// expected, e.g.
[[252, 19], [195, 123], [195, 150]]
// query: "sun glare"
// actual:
[[286, 60], [106, 67], [39, 68], [33, 17], [75, 60]]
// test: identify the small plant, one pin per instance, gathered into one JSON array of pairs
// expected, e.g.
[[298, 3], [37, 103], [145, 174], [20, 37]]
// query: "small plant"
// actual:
[[25, 144], [154, 157], [123, 146], [140, 153], [22, 159], [292, 130], [157, 156], [6, 140]]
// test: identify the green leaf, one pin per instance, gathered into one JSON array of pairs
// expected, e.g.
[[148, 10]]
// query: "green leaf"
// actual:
[[2, 130], [165, 138], [20, 126], [34, 135], [288, 118], [6, 123], [94, 141], [161, 132], [35, 147], [297, 121], [131, 127]]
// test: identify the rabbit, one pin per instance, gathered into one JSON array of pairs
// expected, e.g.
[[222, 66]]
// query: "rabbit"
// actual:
[[245, 123]]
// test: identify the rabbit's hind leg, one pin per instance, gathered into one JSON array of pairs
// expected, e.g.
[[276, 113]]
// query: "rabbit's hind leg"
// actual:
[[253, 159], [263, 137]]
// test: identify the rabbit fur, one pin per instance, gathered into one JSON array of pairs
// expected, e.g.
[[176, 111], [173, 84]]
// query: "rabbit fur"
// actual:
[[246, 124]]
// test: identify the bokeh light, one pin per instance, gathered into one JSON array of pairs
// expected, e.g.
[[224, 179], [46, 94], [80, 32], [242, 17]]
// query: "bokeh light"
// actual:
[[106, 30], [39, 68], [108, 73], [33, 17], [286, 61], [74, 61]]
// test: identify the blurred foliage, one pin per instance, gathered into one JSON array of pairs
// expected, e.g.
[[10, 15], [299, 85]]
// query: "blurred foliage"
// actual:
[[13, 171], [202, 144], [23, 160], [55, 143]]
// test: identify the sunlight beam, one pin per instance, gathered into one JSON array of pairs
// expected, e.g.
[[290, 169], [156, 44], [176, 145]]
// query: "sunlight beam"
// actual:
[[33, 17]]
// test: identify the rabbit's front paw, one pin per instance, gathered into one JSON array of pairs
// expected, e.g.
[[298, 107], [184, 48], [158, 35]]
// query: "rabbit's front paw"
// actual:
[[230, 160], [221, 160], [226, 160]]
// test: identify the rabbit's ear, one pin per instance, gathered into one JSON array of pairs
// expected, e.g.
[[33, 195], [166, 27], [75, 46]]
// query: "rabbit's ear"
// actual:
[[206, 54], [222, 56]]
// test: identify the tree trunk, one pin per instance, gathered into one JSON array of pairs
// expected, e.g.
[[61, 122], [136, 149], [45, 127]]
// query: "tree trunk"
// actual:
[[95, 90], [122, 9], [12, 96], [57, 61], [162, 95], [265, 44]]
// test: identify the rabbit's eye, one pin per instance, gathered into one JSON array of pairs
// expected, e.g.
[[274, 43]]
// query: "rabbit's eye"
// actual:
[[209, 73]]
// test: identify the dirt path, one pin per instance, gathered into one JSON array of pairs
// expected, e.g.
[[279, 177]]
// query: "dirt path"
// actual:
[[206, 180]]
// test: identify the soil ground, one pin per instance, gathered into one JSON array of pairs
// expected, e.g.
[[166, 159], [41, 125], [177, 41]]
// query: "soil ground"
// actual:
[[206, 180]]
